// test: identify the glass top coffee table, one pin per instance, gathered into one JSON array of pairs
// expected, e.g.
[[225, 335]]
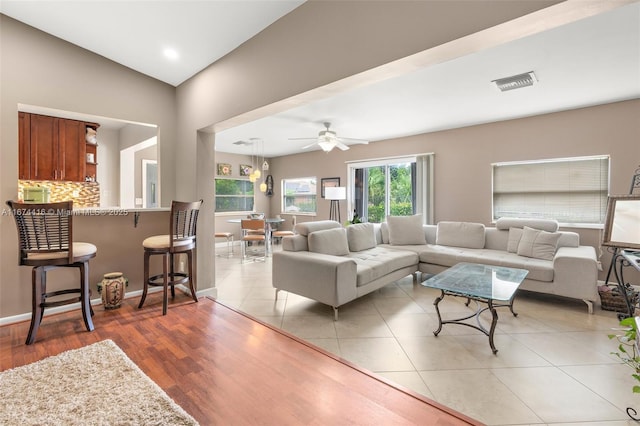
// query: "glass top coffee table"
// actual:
[[481, 283]]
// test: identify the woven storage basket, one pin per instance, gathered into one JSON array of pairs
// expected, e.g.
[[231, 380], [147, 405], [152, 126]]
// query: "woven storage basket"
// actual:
[[613, 300]]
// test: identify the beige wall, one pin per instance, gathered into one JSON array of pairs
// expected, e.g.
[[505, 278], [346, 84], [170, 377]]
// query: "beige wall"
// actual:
[[38, 69]]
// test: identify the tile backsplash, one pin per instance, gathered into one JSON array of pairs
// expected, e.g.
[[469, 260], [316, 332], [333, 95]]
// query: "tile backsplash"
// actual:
[[83, 194]]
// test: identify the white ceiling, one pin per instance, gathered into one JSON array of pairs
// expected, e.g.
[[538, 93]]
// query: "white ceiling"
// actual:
[[589, 62], [135, 33]]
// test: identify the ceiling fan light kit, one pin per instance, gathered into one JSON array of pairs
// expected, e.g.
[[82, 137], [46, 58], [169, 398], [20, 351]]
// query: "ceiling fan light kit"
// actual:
[[328, 139], [326, 144]]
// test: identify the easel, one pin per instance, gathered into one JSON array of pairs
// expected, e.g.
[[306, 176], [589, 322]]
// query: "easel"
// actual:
[[635, 184]]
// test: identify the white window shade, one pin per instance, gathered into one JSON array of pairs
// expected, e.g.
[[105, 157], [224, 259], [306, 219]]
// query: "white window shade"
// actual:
[[569, 190]]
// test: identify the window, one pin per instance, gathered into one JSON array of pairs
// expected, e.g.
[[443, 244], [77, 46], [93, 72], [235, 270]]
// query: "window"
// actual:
[[299, 195], [395, 186], [234, 195], [570, 190]]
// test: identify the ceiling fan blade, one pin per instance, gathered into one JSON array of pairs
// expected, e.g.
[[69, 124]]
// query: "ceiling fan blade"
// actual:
[[309, 146], [302, 139], [354, 141], [341, 146]]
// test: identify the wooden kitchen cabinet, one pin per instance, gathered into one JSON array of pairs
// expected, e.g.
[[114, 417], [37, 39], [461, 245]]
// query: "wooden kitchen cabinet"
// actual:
[[53, 148], [24, 146]]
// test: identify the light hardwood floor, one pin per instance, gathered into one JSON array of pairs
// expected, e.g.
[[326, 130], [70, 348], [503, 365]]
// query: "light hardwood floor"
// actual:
[[554, 364]]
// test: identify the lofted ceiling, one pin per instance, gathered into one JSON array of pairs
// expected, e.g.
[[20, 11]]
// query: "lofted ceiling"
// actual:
[[592, 61], [135, 33]]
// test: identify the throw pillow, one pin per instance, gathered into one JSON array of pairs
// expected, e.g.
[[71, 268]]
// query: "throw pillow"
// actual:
[[306, 228], [515, 234], [329, 241], [361, 236], [538, 244], [460, 234], [406, 230]]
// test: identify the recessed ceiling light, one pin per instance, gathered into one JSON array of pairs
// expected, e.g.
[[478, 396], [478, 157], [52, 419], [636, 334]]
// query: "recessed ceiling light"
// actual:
[[515, 81], [171, 54]]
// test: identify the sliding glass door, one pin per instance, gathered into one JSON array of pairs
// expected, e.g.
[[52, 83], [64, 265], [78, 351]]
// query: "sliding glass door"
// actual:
[[386, 187]]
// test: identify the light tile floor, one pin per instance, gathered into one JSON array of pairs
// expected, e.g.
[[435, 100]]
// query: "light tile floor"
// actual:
[[553, 367]]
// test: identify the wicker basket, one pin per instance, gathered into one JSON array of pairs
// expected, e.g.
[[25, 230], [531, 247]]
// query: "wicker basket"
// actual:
[[613, 300]]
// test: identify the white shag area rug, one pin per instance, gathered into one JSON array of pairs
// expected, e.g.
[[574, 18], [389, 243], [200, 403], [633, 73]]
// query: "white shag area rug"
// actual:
[[94, 385]]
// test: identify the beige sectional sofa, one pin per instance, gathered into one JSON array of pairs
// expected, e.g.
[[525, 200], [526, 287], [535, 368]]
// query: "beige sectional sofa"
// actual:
[[334, 265]]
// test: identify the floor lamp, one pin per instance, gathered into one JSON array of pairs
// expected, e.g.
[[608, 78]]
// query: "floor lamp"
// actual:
[[335, 194]]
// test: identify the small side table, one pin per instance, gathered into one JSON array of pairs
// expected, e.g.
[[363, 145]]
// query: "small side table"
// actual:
[[626, 258]]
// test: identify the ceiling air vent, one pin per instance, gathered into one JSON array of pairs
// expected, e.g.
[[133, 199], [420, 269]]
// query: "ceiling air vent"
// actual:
[[515, 81]]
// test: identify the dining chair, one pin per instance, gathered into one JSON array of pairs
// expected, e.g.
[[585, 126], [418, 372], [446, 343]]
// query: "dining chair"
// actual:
[[277, 235], [180, 240], [45, 242], [251, 235], [228, 236]]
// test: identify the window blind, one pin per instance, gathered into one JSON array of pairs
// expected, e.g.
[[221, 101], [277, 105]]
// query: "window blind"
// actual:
[[569, 190]]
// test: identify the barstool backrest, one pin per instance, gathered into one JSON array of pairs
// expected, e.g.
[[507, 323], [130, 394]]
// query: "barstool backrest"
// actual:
[[184, 218], [44, 229]]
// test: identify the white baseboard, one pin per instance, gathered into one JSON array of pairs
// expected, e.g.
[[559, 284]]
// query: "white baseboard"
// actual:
[[212, 292]]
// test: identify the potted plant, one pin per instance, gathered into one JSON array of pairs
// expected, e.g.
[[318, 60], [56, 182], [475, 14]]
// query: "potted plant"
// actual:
[[628, 348], [629, 353]]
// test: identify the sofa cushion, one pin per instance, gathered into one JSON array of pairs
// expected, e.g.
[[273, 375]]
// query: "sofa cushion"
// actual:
[[307, 228], [538, 244], [405, 230], [384, 232], [460, 234], [379, 261], [361, 236], [329, 241], [514, 239], [505, 223], [295, 243], [539, 270]]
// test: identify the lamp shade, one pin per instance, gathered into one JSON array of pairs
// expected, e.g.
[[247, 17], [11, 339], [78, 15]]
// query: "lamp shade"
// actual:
[[335, 193]]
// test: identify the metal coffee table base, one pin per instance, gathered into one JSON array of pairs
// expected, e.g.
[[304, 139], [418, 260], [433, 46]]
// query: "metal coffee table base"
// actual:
[[491, 306]]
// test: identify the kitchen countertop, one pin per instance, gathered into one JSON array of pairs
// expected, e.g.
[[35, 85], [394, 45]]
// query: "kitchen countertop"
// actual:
[[115, 211]]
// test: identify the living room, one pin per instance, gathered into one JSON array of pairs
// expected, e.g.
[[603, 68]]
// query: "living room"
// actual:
[[39, 69]]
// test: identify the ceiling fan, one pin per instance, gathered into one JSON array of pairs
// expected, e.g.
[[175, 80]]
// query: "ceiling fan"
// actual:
[[328, 139]]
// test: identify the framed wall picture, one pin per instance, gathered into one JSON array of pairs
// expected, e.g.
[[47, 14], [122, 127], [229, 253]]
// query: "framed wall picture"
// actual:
[[622, 224], [224, 169], [332, 182], [245, 170]]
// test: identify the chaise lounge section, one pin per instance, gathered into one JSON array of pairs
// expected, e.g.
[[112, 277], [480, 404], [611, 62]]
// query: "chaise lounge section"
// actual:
[[333, 265]]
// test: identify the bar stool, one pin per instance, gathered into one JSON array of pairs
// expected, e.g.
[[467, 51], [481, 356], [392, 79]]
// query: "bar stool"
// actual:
[[45, 242], [228, 236], [180, 240]]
